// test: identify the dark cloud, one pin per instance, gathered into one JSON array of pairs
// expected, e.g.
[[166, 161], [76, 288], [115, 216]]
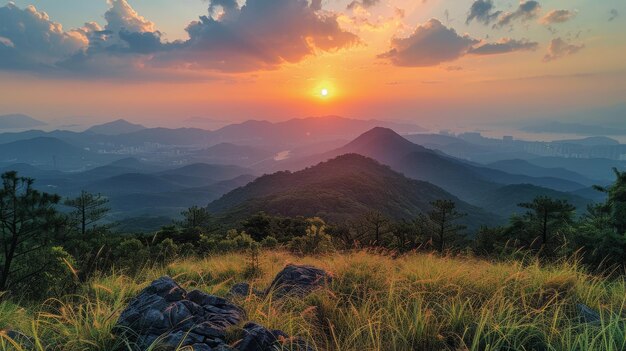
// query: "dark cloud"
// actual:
[[557, 16], [482, 11], [527, 10], [613, 14], [559, 48], [431, 44], [363, 3], [29, 40], [504, 46]]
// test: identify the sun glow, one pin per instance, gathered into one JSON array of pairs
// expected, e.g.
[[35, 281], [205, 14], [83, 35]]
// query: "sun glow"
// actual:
[[324, 92]]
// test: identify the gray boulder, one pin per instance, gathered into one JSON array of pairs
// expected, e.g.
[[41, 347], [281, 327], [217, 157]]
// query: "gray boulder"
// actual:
[[298, 280], [259, 338], [588, 315], [170, 316]]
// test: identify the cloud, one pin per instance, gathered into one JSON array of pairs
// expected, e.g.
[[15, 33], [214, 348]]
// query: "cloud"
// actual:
[[31, 41], [430, 44], [613, 14], [559, 48], [482, 11], [363, 3], [261, 35], [7, 42], [527, 10], [505, 45], [557, 16]]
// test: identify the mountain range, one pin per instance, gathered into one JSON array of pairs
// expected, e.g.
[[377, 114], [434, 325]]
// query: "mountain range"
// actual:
[[338, 190]]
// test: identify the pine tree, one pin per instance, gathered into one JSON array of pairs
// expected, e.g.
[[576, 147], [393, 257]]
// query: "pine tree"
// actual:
[[27, 217]]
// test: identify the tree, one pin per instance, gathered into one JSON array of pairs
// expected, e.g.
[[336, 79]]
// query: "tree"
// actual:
[[442, 224], [615, 205], [197, 217], [88, 210], [544, 218], [27, 217], [376, 227], [258, 226]]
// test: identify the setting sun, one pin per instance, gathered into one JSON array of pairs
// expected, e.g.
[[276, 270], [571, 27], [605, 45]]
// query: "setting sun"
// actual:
[[324, 92]]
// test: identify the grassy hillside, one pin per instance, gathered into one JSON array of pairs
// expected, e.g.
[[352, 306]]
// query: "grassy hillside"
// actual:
[[375, 302]]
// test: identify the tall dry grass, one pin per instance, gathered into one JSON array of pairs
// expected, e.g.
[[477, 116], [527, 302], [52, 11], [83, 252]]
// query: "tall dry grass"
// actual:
[[375, 302]]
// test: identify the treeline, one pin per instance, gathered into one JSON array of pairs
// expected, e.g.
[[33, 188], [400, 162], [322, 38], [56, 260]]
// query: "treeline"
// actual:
[[51, 245]]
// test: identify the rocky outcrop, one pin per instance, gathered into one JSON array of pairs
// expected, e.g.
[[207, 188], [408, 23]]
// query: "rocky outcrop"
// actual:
[[166, 315], [298, 280]]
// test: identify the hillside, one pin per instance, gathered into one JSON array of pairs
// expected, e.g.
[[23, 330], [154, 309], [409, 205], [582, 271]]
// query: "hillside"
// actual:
[[339, 189], [524, 167], [19, 121], [470, 182], [117, 127]]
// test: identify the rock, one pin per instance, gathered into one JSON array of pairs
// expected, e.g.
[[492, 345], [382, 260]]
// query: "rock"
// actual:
[[21, 339], [165, 313], [259, 338], [587, 314], [298, 280], [240, 289]]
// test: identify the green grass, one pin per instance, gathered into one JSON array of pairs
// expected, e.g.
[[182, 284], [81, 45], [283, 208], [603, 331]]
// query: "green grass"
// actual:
[[415, 302]]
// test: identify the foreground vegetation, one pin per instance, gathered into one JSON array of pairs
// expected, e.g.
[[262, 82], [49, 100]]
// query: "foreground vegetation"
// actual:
[[423, 283], [375, 302]]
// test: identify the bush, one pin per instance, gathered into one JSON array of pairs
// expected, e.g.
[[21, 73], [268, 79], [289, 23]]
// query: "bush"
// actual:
[[269, 243], [131, 254], [57, 277], [316, 241]]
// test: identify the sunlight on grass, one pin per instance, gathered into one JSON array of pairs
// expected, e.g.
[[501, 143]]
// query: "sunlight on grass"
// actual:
[[375, 302]]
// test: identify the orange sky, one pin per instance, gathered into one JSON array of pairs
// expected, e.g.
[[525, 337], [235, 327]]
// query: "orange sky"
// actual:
[[454, 91]]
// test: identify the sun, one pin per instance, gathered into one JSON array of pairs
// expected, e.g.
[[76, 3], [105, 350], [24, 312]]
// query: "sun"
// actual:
[[324, 92]]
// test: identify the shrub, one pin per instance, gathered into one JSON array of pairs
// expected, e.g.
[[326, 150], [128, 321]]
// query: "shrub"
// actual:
[[269, 243], [316, 241]]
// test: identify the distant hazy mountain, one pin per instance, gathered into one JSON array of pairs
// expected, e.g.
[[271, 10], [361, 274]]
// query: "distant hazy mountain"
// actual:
[[526, 168], [505, 200], [228, 153], [302, 131], [590, 141], [117, 127], [594, 168], [339, 189], [43, 151], [19, 121], [574, 128], [203, 170]]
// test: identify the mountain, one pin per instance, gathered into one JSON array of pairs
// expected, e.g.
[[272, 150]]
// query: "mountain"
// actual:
[[19, 121], [300, 131], [45, 151], [469, 181], [574, 128], [117, 127], [208, 171], [166, 136], [228, 153], [593, 168], [590, 141], [524, 167], [130, 183], [506, 199], [339, 189]]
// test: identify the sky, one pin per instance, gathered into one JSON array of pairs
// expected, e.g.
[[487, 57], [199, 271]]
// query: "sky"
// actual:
[[437, 63]]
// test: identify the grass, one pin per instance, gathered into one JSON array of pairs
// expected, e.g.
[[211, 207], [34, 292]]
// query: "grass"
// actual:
[[415, 302]]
